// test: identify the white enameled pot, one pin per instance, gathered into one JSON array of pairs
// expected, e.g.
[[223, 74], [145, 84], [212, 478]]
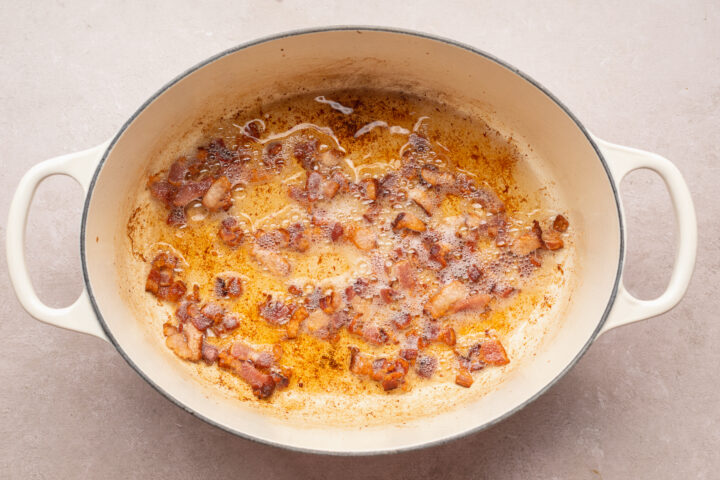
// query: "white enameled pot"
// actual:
[[586, 170]]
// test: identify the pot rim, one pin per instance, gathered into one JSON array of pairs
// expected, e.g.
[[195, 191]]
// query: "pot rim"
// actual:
[[394, 30]]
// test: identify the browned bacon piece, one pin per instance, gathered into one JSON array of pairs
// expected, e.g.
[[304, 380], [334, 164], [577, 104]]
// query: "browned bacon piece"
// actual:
[[275, 312], [230, 232], [409, 221], [424, 199], [218, 196], [473, 303], [389, 373], [425, 366], [273, 156], [228, 287], [297, 239], [560, 224], [161, 278], [404, 272], [178, 171], [191, 190], [305, 152], [442, 302], [262, 358], [369, 188], [463, 378], [186, 344], [262, 384], [163, 191], [274, 239], [362, 237], [436, 178]]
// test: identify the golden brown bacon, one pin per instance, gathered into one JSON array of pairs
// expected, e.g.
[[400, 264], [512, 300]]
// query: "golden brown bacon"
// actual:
[[161, 279], [389, 373], [441, 303], [275, 311], [228, 287], [185, 343], [230, 232], [560, 224], [262, 384]]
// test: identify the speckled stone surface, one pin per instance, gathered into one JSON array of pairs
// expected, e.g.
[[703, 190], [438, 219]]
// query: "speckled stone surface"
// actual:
[[644, 402]]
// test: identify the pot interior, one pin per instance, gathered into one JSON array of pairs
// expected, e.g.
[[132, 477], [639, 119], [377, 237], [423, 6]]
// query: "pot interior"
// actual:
[[559, 158]]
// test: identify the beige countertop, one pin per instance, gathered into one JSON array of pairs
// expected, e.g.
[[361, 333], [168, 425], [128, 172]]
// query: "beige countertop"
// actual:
[[644, 402]]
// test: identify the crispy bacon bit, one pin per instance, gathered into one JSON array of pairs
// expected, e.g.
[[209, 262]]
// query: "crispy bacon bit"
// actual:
[[275, 263], [374, 334], [273, 155], [178, 171], [409, 221], [424, 199], [425, 366], [369, 188], [404, 271], [262, 384], [253, 129], [474, 273], [336, 231], [209, 353], [560, 224], [492, 351], [363, 237], [305, 153], [447, 336], [442, 301], [552, 240], [176, 217], [390, 373], [294, 290], [190, 191], [434, 177], [463, 378], [230, 232], [328, 189], [229, 287], [218, 195], [401, 320], [297, 239], [160, 281], [227, 323], [264, 358], [473, 303], [275, 311], [169, 329], [389, 295], [163, 191], [330, 303], [292, 327], [439, 252], [186, 344], [526, 244]]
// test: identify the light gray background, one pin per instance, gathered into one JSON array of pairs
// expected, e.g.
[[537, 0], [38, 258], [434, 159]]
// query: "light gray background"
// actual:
[[643, 402]]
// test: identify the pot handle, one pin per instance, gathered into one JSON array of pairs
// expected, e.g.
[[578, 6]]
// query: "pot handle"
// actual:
[[79, 316], [627, 308]]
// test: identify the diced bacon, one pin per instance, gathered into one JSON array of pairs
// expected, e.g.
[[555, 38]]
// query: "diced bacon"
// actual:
[[424, 199], [218, 195], [372, 213], [292, 327], [439, 252], [441, 303], [503, 291], [273, 156], [492, 351], [389, 373], [362, 237], [447, 336], [275, 311], [227, 323], [305, 152], [228, 287], [190, 191], [409, 221], [176, 217], [169, 329], [474, 273], [178, 171], [404, 271], [401, 320], [163, 191], [463, 378], [261, 358], [198, 318], [298, 194], [525, 244], [297, 239], [274, 262], [230, 232], [186, 344], [330, 303], [425, 366], [389, 295], [560, 224], [262, 384], [313, 186], [552, 240], [336, 231], [328, 189], [209, 353], [473, 303], [369, 188], [436, 178]]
